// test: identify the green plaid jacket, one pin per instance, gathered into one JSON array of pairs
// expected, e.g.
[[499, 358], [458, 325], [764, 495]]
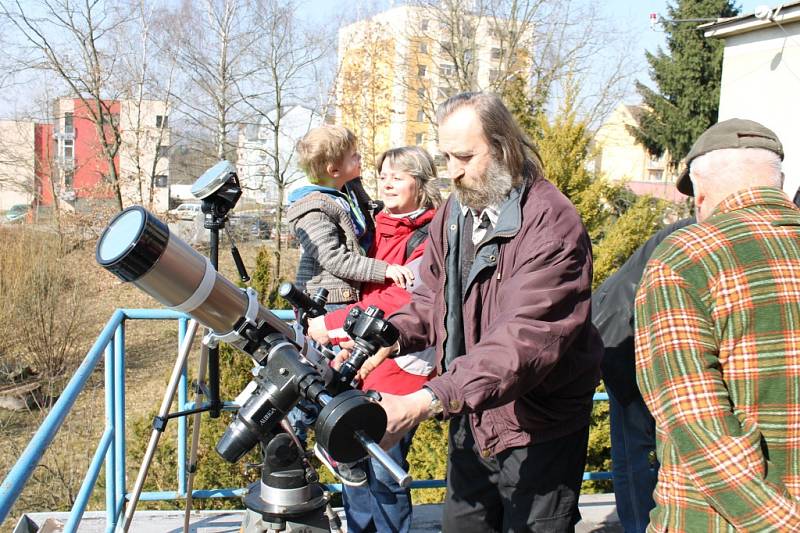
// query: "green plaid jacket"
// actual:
[[718, 364]]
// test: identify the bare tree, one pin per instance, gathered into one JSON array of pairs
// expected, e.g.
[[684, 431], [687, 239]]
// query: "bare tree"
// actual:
[[213, 47], [73, 40], [287, 63], [364, 90], [149, 74], [494, 44]]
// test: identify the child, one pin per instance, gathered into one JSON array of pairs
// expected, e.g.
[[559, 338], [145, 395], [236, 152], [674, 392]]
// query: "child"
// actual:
[[328, 219], [330, 225]]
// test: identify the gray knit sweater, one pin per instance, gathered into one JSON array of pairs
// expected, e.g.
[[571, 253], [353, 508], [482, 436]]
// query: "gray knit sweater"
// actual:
[[331, 257]]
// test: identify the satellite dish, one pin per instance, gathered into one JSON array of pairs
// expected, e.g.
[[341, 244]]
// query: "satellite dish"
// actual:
[[763, 12]]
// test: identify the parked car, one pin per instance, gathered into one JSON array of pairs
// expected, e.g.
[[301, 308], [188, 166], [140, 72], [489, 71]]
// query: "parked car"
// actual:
[[250, 226], [17, 213], [185, 211]]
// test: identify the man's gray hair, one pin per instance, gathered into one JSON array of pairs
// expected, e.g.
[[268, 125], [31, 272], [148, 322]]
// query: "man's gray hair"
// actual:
[[738, 168], [509, 142]]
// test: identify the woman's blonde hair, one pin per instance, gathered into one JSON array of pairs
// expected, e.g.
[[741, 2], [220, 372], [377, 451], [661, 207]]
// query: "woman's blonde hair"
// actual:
[[419, 164], [323, 146]]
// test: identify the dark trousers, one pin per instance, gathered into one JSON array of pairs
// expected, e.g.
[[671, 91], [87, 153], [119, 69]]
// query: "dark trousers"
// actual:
[[532, 488], [633, 463]]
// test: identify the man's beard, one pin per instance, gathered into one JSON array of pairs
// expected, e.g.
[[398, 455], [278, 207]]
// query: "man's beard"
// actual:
[[490, 189]]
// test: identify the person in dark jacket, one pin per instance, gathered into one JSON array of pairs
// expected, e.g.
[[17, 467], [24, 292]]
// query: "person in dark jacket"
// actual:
[[505, 300], [633, 439]]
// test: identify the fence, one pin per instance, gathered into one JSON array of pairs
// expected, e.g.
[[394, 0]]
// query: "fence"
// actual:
[[110, 450]]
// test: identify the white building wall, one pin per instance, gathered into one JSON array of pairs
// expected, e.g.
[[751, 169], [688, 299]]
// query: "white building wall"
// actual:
[[17, 163], [255, 163], [140, 132], [761, 82]]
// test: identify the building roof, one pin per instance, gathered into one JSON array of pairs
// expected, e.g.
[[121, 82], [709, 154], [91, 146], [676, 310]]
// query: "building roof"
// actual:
[[785, 13]]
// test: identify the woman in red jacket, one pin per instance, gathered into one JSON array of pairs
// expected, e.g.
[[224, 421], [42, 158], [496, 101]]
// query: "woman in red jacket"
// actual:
[[410, 197]]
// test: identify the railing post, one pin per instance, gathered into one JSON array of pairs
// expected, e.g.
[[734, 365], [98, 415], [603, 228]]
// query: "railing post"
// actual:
[[18, 476], [182, 386], [111, 455], [119, 419]]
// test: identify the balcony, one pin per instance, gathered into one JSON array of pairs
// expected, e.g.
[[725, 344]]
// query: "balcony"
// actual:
[[67, 134]]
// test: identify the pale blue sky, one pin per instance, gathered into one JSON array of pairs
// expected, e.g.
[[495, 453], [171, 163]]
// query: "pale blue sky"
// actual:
[[632, 17]]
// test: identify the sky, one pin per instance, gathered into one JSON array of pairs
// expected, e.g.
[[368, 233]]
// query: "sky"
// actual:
[[631, 16]]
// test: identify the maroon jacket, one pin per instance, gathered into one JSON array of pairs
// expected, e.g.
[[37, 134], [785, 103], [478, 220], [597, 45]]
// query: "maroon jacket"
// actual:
[[532, 358]]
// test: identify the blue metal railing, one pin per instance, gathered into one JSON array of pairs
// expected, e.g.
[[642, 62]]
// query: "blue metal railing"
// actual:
[[111, 446]]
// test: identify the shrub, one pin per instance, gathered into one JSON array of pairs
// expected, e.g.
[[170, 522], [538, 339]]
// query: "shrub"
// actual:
[[40, 319]]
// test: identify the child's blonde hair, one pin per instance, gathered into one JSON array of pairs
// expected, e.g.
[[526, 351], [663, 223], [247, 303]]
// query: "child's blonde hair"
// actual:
[[323, 146]]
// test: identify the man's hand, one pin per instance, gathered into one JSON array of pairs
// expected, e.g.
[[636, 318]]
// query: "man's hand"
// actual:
[[370, 364], [318, 331], [403, 413]]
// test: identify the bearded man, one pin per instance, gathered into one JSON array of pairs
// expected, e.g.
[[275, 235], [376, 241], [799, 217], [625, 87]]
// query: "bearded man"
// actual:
[[505, 299]]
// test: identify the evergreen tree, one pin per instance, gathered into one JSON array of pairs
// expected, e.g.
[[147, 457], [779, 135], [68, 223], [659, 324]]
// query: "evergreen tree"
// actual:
[[688, 78]]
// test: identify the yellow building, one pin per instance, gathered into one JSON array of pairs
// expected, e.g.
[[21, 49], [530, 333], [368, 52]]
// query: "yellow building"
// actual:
[[619, 158], [397, 66]]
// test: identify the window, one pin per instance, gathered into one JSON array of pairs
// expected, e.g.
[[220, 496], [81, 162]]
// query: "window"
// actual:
[[69, 150], [69, 125], [497, 53], [421, 93], [161, 121], [447, 70], [494, 74], [655, 175], [445, 92], [104, 119], [163, 151], [423, 48], [418, 139], [161, 180], [68, 179], [423, 25], [420, 116], [655, 161], [422, 70], [468, 56]]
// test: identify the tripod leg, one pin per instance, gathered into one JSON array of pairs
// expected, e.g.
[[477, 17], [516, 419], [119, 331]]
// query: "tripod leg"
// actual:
[[201, 375], [172, 386]]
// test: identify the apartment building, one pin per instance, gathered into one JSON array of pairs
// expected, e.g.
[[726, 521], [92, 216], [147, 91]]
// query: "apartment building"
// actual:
[[398, 65], [620, 158], [81, 173], [20, 142], [257, 150]]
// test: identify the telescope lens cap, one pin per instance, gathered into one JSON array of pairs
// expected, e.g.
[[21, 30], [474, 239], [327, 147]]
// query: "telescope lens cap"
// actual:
[[132, 243]]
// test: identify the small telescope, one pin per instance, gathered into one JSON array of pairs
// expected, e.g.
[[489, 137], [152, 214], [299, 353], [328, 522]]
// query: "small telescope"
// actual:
[[139, 248]]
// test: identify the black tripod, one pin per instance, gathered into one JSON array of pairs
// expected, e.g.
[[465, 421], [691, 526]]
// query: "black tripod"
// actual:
[[219, 190]]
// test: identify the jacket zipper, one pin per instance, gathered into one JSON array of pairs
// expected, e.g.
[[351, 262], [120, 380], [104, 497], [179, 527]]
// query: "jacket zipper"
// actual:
[[445, 250]]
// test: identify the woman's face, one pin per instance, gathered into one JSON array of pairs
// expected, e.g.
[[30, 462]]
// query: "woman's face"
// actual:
[[398, 190]]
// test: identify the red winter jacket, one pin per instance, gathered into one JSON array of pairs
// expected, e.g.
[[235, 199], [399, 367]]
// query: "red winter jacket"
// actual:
[[391, 236]]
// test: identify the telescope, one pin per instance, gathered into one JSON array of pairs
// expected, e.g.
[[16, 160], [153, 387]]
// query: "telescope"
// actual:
[[139, 248]]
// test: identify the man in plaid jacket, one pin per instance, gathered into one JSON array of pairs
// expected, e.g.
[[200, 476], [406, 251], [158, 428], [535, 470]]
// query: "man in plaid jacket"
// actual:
[[718, 343]]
